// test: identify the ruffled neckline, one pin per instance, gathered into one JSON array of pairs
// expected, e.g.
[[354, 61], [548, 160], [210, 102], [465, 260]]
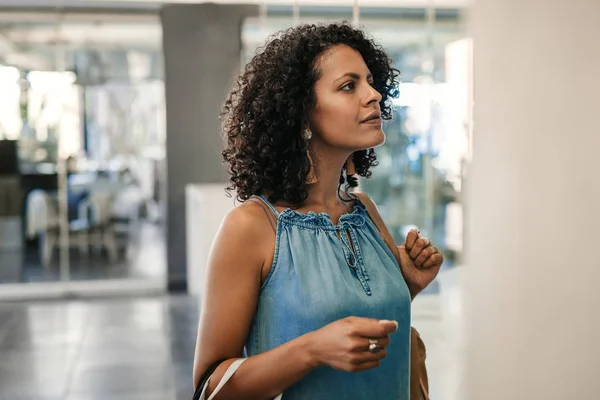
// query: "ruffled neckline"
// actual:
[[323, 220]]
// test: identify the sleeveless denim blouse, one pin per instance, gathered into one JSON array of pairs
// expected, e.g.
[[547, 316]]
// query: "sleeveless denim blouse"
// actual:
[[323, 272]]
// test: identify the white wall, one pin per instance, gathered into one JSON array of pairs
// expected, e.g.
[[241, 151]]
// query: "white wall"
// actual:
[[206, 206], [533, 275]]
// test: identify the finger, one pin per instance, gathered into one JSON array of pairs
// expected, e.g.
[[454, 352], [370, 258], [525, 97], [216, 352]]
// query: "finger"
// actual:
[[365, 366], [434, 260], [380, 355], [420, 244], [367, 357], [382, 342], [424, 256], [364, 343], [411, 238], [372, 328]]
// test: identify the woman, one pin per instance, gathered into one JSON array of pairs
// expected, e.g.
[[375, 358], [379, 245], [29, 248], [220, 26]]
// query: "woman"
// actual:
[[300, 280]]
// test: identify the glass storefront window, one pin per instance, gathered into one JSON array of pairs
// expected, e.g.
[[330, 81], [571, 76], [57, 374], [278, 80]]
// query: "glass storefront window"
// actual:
[[82, 96], [10, 122]]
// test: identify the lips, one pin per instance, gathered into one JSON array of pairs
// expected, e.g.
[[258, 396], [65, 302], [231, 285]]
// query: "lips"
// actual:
[[374, 117]]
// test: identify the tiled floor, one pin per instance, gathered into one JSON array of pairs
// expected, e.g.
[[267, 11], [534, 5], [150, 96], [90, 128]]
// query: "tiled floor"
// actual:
[[139, 349], [123, 349], [439, 327]]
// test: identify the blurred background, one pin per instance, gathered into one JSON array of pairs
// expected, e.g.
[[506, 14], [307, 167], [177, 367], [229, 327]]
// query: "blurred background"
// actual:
[[83, 128], [111, 184]]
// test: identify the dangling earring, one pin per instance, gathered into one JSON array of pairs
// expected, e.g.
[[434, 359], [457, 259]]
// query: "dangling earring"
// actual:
[[311, 177], [351, 171], [350, 168]]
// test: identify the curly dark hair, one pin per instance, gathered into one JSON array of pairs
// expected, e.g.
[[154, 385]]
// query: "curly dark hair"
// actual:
[[266, 110]]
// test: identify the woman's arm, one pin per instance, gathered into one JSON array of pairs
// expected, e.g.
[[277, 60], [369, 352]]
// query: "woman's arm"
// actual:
[[237, 262], [229, 302]]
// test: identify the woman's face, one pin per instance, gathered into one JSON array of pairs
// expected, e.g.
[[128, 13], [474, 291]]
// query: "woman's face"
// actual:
[[347, 113]]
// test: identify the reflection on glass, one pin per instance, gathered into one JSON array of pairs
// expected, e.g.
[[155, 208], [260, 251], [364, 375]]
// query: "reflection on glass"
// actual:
[[10, 123], [87, 114]]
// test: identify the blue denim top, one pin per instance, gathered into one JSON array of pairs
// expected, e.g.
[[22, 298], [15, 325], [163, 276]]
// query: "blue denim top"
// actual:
[[318, 277]]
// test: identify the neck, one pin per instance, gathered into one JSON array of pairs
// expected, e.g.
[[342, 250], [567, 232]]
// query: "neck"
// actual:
[[328, 166]]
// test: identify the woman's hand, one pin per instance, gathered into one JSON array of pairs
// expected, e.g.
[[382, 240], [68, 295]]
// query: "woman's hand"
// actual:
[[344, 344], [420, 262]]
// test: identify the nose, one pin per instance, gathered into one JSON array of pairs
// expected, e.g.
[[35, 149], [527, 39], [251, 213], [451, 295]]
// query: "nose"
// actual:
[[372, 95]]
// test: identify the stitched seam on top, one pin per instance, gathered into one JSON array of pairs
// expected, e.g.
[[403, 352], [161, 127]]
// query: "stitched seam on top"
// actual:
[[275, 255]]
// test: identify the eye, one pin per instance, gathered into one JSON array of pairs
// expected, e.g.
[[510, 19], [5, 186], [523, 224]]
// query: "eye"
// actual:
[[348, 87]]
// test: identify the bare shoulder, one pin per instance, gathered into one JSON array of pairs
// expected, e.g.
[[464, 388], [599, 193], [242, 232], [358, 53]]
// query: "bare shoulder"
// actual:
[[247, 230], [248, 219]]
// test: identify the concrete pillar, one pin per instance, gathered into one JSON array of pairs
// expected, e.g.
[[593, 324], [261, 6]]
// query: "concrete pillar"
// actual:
[[202, 51], [532, 278]]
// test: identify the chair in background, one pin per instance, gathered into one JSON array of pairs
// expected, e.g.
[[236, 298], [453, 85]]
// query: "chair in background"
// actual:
[[96, 231], [43, 223], [99, 207]]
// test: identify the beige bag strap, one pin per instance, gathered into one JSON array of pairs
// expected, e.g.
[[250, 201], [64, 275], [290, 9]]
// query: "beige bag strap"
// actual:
[[270, 214], [226, 377], [379, 224]]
